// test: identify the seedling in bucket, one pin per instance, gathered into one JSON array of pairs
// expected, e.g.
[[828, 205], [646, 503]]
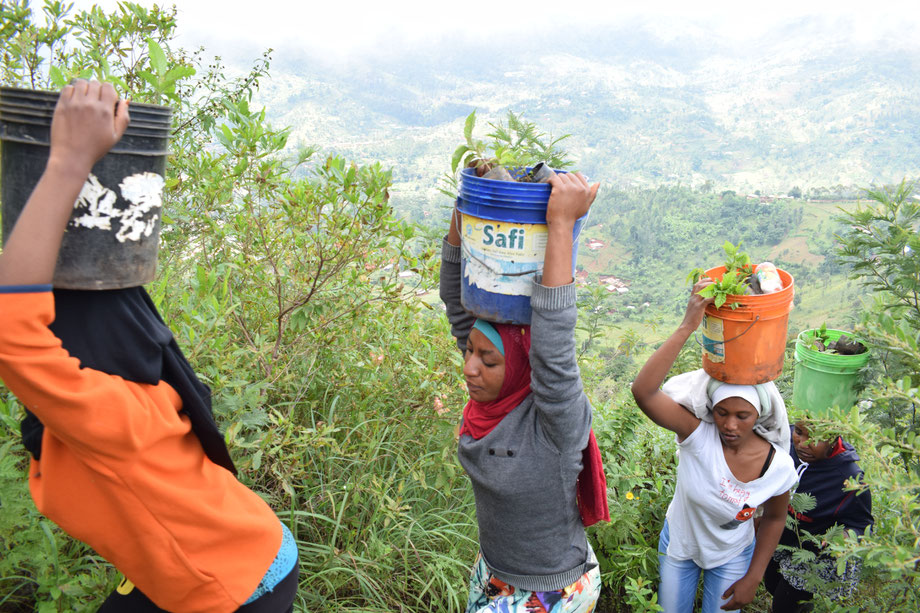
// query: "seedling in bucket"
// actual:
[[824, 376], [744, 333], [734, 282], [822, 340], [517, 148], [503, 223]]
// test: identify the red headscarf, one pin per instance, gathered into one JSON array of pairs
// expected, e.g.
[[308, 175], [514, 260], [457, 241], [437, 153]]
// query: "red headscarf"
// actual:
[[480, 418]]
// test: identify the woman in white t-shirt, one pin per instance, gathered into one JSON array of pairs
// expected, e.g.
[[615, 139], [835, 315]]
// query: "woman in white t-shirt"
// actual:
[[726, 470]]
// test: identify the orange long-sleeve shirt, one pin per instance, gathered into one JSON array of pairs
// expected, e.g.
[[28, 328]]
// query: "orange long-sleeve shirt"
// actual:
[[122, 471]]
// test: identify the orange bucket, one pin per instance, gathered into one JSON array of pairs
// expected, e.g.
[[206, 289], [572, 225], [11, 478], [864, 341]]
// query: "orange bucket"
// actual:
[[746, 345]]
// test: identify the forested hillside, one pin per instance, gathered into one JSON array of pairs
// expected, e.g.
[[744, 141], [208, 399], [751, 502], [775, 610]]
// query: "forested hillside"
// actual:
[[810, 105], [301, 282]]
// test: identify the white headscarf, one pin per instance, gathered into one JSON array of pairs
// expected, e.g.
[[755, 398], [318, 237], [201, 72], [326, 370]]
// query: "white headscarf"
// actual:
[[696, 390], [729, 390]]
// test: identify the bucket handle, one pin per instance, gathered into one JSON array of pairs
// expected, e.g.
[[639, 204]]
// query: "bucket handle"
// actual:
[[751, 325]]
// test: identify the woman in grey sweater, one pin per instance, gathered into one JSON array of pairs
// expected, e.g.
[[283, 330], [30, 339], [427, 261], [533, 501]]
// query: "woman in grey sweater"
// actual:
[[525, 431]]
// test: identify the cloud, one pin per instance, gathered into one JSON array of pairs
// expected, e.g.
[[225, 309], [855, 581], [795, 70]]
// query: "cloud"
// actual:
[[360, 27]]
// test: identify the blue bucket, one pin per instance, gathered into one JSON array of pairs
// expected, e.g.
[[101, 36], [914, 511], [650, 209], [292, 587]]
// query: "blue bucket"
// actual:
[[503, 239], [475, 193]]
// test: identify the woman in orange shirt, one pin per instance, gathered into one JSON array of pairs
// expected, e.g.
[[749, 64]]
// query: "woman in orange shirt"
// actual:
[[125, 454]]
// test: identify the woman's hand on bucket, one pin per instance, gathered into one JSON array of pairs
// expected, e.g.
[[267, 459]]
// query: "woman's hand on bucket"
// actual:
[[697, 304], [570, 199], [88, 120]]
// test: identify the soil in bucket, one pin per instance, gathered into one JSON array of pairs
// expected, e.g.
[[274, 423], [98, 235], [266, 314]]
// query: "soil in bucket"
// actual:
[[745, 345], [113, 234], [503, 241], [825, 379]]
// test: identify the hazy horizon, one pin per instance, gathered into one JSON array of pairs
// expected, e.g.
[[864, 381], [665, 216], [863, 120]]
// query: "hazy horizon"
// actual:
[[365, 30]]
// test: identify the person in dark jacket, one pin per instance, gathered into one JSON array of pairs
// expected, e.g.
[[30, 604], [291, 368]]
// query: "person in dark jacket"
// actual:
[[824, 468]]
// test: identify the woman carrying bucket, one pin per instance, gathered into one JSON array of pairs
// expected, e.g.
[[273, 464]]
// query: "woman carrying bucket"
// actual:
[[125, 454], [733, 459], [526, 439]]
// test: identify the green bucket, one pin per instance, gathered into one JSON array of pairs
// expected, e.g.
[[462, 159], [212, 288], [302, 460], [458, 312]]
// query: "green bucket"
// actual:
[[824, 380]]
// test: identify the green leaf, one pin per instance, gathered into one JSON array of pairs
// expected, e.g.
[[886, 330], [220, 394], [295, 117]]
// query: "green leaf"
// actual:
[[694, 275], [178, 72], [468, 127], [150, 78], [457, 156], [157, 57], [57, 77]]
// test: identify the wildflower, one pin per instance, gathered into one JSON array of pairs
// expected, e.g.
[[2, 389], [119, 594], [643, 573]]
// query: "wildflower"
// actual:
[[439, 406], [629, 496]]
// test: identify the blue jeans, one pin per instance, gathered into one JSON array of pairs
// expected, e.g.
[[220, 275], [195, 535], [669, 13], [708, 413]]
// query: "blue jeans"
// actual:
[[679, 578]]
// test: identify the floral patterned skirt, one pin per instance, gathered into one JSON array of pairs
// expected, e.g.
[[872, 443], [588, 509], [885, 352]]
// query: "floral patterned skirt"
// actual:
[[491, 595]]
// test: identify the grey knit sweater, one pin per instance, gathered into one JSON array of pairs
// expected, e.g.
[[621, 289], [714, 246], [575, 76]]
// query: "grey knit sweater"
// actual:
[[524, 471]]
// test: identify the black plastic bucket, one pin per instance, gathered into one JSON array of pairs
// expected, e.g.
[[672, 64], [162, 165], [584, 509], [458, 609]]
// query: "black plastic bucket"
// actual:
[[112, 238]]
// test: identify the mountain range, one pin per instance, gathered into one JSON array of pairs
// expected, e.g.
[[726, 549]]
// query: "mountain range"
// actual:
[[807, 104]]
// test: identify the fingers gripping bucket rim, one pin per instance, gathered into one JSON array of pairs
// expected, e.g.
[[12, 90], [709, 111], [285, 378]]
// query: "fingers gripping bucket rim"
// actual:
[[746, 346], [112, 237], [824, 380]]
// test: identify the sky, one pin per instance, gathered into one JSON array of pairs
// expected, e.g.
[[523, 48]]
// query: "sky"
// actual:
[[355, 27]]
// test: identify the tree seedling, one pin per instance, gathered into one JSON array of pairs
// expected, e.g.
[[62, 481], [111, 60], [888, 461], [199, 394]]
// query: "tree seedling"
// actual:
[[514, 147], [820, 340], [844, 345], [734, 282]]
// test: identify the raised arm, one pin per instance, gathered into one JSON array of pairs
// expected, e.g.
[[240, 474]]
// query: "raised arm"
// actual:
[[569, 201], [555, 378], [86, 124], [646, 388], [461, 322]]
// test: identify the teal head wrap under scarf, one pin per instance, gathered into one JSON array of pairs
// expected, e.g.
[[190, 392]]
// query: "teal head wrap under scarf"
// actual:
[[491, 333]]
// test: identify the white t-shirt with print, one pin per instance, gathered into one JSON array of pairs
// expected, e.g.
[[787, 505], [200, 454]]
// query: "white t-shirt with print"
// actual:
[[710, 519]]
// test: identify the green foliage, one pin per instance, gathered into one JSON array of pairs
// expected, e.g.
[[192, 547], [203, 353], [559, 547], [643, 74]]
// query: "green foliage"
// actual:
[[877, 246], [820, 335], [882, 248], [518, 145], [694, 275], [275, 272], [732, 283], [290, 282], [522, 144], [638, 459], [593, 321], [889, 550], [41, 568], [125, 48], [735, 259]]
